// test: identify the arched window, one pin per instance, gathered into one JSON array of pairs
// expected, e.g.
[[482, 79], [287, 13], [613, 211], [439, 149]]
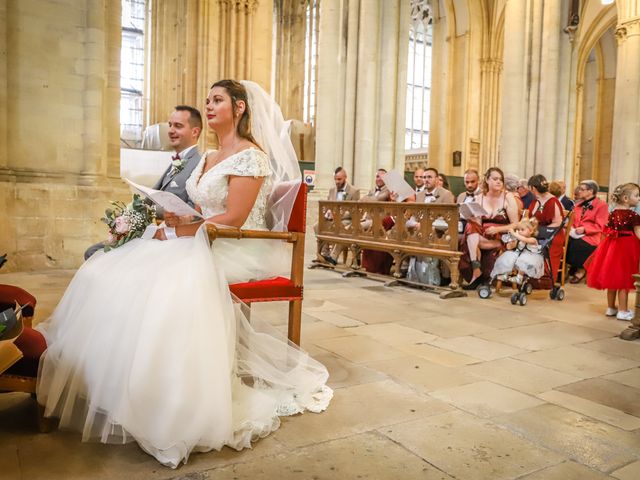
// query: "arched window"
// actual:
[[418, 77], [132, 72]]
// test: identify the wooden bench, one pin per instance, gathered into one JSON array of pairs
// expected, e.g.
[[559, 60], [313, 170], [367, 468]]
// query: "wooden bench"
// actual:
[[436, 234]]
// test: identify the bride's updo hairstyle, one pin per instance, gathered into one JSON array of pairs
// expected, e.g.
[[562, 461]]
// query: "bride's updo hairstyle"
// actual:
[[539, 182], [237, 92]]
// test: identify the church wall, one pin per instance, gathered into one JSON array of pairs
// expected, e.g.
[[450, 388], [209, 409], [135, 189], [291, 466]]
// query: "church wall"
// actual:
[[60, 112]]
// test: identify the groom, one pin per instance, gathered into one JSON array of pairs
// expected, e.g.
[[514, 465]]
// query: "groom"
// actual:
[[185, 126]]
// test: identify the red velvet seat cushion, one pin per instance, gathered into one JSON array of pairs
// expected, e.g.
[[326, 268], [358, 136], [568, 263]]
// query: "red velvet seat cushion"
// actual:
[[10, 294], [271, 290], [32, 344]]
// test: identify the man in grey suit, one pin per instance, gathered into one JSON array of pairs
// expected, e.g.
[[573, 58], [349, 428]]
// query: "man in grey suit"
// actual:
[[185, 126]]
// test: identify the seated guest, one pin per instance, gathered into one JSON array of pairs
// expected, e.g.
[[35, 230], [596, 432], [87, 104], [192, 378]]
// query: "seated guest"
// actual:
[[548, 211], [185, 126], [443, 181], [432, 192], [589, 219], [525, 194], [511, 183], [343, 191], [379, 193], [566, 202], [481, 239], [374, 261], [418, 180], [576, 195], [471, 189], [426, 269]]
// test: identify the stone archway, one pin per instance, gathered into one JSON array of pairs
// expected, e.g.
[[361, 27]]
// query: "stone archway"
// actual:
[[595, 93]]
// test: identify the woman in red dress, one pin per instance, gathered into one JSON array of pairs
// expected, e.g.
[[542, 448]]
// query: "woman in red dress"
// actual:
[[481, 243], [617, 257], [547, 209]]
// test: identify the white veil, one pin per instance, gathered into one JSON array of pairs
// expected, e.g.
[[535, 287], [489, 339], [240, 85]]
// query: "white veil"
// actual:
[[271, 132]]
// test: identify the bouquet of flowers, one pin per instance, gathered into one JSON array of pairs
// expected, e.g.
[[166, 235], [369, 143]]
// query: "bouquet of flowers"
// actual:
[[127, 222]]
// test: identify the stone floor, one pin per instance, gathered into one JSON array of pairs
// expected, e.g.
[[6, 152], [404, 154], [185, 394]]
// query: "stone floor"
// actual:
[[424, 389]]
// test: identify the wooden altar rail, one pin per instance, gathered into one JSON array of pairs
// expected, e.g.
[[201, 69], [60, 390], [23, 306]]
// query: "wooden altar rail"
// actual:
[[366, 230]]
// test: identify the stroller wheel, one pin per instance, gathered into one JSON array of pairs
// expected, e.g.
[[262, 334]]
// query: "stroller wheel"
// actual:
[[553, 293], [484, 291], [523, 299], [514, 298], [560, 295], [528, 288]]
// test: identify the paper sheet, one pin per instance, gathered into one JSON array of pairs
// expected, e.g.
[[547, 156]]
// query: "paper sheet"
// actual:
[[167, 200], [472, 209], [395, 183]]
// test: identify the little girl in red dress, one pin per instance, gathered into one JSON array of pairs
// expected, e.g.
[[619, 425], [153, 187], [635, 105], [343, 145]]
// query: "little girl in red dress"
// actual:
[[617, 257]]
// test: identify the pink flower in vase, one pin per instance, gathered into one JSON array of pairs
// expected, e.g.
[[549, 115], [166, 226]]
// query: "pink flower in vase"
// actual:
[[122, 225]]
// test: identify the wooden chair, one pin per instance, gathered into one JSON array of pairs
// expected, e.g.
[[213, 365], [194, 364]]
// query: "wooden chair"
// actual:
[[278, 288], [562, 268], [22, 375]]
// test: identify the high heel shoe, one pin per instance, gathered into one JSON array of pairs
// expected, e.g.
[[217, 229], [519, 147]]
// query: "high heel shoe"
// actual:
[[473, 285]]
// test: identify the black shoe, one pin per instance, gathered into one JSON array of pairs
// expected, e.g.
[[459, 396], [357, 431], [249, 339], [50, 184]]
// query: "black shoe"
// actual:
[[445, 281], [330, 260], [473, 285]]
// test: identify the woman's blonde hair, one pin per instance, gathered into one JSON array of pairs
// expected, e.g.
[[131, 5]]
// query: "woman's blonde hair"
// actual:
[[530, 223], [626, 189]]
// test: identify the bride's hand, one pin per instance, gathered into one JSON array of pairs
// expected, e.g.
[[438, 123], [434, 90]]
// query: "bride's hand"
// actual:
[[171, 219], [159, 235]]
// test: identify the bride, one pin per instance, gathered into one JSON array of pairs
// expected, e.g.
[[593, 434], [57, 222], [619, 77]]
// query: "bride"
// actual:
[[147, 344]]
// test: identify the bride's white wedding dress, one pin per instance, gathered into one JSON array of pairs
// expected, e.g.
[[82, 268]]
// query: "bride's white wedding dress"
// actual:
[[147, 345]]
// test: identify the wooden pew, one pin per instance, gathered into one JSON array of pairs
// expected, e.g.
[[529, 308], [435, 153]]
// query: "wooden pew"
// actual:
[[436, 235]]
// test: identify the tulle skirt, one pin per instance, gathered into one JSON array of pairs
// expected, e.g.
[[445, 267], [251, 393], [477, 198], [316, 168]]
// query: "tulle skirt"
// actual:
[[147, 345], [530, 263], [614, 263]]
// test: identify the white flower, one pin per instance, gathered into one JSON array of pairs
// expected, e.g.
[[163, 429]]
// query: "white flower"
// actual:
[[177, 166], [122, 224]]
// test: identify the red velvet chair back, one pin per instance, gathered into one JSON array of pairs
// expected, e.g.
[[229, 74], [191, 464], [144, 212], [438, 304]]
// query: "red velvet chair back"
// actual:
[[298, 219]]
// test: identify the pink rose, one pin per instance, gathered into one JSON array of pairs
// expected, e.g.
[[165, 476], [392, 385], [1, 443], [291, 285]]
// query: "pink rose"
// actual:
[[122, 225], [110, 238]]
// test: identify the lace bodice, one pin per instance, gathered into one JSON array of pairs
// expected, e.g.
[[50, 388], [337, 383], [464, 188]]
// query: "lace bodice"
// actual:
[[210, 190]]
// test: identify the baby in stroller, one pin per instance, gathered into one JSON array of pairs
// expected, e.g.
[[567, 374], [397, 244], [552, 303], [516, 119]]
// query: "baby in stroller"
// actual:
[[521, 261]]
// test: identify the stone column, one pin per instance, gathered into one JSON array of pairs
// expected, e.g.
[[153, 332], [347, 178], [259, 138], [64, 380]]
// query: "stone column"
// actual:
[[490, 132], [514, 105], [290, 57], [59, 125], [546, 156], [625, 149], [196, 42], [360, 120]]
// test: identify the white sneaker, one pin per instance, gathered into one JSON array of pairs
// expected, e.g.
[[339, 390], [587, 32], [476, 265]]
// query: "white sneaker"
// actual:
[[625, 315], [611, 312]]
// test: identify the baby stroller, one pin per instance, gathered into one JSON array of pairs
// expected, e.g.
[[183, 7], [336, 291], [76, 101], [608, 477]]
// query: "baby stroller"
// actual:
[[524, 282]]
